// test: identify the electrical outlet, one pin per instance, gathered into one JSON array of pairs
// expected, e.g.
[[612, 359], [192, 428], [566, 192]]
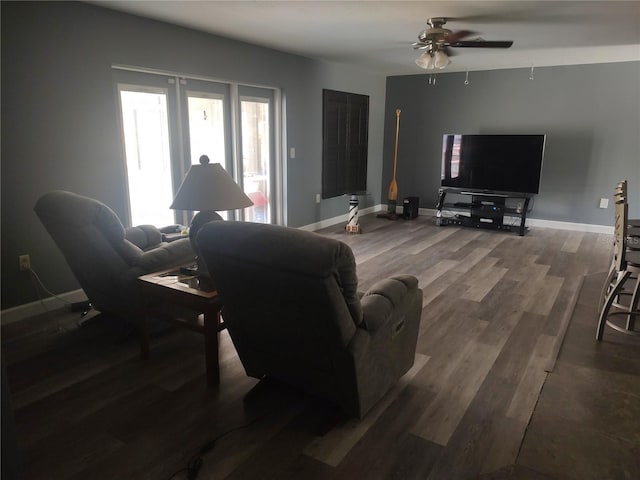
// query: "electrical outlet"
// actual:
[[604, 202], [25, 262], [317, 198]]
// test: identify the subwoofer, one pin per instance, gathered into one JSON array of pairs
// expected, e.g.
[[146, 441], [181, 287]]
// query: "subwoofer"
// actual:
[[410, 207]]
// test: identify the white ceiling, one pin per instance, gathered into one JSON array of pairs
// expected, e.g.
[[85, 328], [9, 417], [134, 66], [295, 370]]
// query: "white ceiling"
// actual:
[[377, 35]]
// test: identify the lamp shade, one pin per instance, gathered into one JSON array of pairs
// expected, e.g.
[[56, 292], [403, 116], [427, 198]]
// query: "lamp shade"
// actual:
[[209, 187]]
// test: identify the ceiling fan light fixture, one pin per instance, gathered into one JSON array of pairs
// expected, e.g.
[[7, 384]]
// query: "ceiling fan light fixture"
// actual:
[[425, 61], [441, 60], [437, 40]]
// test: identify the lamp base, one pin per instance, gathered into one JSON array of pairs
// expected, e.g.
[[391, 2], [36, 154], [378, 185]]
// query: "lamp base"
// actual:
[[199, 220]]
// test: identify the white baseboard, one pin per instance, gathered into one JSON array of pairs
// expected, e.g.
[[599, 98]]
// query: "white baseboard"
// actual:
[[530, 222], [344, 218], [555, 224], [576, 227], [14, 314]]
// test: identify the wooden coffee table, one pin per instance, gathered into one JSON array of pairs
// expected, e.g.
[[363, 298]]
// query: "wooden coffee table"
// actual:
[[167, 289]]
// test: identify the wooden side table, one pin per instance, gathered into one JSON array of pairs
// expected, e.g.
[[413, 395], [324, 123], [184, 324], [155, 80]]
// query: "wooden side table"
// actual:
[[169, 288]]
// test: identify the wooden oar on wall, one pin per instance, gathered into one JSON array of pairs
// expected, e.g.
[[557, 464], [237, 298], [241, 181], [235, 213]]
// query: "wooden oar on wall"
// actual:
[[393, 186]]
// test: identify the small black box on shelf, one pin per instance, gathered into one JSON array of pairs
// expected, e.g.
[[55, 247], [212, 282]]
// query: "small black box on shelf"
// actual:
[[410, 207]]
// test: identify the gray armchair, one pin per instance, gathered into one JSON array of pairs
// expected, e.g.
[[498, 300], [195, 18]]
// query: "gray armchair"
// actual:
[[292, 308], [106, 258]]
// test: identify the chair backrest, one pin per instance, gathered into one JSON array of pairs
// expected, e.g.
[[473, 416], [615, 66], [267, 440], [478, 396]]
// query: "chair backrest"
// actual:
[[620, 232], [92, 240], [289, 298]]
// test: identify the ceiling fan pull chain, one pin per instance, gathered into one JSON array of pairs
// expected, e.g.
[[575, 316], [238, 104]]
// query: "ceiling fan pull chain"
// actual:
[[466, 79], [531, 75]]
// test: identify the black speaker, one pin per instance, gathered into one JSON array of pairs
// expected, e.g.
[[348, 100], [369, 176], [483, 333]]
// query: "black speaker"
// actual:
[[410, 207]]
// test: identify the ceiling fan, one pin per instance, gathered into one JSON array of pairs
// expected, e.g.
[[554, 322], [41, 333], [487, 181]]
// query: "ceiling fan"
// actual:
[[436, 42]]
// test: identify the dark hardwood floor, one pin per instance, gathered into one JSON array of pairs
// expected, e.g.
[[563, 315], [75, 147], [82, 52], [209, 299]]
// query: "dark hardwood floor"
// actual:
[[498, 391]]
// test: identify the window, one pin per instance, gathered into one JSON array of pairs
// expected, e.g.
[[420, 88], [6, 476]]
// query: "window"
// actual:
[[169, 122]]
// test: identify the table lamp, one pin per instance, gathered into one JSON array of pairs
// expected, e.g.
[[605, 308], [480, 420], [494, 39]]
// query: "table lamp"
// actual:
[[207, 188]]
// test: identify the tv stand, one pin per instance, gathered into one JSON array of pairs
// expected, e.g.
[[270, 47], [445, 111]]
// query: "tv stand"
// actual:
[[484, 210]]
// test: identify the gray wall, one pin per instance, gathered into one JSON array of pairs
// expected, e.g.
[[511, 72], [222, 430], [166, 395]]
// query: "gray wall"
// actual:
[[590, 114], [60, 126]]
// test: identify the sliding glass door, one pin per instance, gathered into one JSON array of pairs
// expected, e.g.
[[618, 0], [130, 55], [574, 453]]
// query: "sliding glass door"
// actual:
[[146, 109], [206, 122], [256, 120], [207, 126], [169, 122]]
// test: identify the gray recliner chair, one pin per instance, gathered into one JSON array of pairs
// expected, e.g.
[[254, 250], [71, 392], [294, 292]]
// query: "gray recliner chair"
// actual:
[[106, 258], [292, 308]]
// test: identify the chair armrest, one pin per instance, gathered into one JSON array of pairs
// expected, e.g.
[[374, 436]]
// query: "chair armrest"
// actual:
[[166, 255], [383, 298], [384, 348], [143, 236], [171, 229]]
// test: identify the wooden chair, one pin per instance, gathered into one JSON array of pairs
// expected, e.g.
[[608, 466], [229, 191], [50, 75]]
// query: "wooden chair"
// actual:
[[621, 190], [625, 269]]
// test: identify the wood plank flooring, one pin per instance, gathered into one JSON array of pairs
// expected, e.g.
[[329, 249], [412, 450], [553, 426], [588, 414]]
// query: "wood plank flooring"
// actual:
[[494, 392]]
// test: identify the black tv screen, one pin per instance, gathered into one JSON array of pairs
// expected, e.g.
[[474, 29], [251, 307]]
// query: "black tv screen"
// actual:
[[493, 163]]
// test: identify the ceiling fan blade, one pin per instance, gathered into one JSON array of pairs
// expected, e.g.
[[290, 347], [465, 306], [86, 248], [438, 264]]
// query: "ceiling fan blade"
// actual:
[[419, 45], [454, 37], [482, 44], [449, 51]]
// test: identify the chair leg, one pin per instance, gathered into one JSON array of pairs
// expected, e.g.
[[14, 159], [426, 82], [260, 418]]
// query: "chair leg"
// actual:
[[633, 306], [613, 293], [606, 288]]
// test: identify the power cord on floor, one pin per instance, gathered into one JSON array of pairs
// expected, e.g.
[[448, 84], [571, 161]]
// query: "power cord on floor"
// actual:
[[38, 284], [195, 462], [34, 276]]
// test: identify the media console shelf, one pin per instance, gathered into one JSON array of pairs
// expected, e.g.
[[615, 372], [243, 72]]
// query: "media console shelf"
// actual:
[[485, 210]]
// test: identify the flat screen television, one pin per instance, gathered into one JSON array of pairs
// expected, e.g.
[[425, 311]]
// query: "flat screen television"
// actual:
[[493, 163]]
